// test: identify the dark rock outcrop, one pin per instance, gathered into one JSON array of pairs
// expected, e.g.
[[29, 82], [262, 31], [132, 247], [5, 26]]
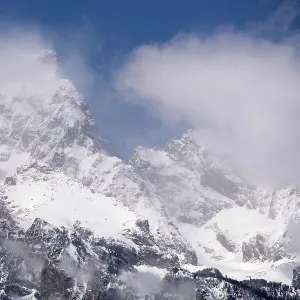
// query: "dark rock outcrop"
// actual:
[[296, 278], [48, 262]]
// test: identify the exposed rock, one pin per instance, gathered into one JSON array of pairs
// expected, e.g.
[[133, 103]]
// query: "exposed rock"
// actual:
[[10, 181], [226, 242], [255, 249], [76, 278], [218, 182], [296, 278], [143, 225], [56, 284], [259, 249]]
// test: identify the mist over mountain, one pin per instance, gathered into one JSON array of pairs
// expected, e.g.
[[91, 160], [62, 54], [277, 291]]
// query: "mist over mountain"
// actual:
[[181, 222]]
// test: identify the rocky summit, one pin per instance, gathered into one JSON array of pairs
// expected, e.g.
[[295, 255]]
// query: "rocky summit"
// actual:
[[77, 222]]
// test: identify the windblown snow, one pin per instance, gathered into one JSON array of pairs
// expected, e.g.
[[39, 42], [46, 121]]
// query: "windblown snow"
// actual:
[[54, 166]]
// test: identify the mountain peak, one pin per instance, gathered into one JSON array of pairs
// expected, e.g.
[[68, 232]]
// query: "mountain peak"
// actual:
[[179, 204], [51, 125]]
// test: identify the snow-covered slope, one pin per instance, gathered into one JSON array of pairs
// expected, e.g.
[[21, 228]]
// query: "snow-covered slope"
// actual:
[[55, 167], [193, 185], [177, 205], [240, 229], [48, 124]]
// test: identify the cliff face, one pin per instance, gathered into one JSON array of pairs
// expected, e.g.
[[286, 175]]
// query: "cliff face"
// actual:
[[48, 262]]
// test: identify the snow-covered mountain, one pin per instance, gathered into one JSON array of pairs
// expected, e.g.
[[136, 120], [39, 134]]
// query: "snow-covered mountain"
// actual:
[[241, 229], [69, 204]]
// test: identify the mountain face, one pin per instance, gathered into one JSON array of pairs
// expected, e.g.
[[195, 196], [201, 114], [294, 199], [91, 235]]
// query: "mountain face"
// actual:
[[226, 220], [77, 222]]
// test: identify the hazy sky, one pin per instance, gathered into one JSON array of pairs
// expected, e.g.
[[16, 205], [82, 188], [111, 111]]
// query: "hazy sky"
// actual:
[[151, 69]]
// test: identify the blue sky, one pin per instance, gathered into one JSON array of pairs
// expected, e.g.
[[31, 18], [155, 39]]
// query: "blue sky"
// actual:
[[104, 32]]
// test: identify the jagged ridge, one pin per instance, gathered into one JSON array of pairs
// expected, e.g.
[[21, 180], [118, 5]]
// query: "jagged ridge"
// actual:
[[166, 208]]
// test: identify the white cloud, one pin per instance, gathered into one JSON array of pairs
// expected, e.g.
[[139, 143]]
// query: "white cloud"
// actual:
[[21, 72], [239, 92]]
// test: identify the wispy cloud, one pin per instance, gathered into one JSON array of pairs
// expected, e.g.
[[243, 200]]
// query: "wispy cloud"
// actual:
[[239, 91], [280, 22], [22, 72]]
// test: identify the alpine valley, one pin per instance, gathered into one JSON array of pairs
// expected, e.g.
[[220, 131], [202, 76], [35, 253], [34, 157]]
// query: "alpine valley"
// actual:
[[77, 222]]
